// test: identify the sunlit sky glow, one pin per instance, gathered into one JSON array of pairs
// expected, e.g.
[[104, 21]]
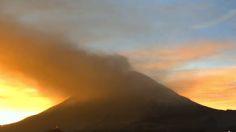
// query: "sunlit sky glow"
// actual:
[[19, 100], [189, 45]]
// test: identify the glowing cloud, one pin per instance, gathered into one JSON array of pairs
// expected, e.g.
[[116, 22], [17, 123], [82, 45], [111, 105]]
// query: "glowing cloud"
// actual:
[[212, 87], [166, 59]]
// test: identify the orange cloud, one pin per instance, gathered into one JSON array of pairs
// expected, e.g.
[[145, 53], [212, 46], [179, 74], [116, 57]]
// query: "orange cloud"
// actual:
[[157, 60], [211, 87]]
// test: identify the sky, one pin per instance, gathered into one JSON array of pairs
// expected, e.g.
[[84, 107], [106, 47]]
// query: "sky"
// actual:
[[187, 45]]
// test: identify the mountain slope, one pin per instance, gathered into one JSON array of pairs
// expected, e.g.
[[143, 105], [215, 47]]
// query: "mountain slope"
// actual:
[[144, 106]]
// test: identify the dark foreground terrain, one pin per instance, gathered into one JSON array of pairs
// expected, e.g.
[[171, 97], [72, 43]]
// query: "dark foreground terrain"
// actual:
[[150, 107]]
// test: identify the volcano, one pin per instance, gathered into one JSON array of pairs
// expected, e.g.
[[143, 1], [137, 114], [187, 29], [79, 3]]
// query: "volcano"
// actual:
[[146, 106]]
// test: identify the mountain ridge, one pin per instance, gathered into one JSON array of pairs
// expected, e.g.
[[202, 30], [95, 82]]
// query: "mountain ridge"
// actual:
[[145, 106]]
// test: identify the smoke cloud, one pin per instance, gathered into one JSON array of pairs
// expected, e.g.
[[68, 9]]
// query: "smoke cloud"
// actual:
[[56, 64]]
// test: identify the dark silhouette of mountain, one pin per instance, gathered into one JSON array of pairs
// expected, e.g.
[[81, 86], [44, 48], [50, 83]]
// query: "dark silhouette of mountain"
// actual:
[[146, 106]]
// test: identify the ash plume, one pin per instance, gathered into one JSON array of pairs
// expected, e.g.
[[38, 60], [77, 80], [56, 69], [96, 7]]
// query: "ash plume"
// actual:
[[56, 64]]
